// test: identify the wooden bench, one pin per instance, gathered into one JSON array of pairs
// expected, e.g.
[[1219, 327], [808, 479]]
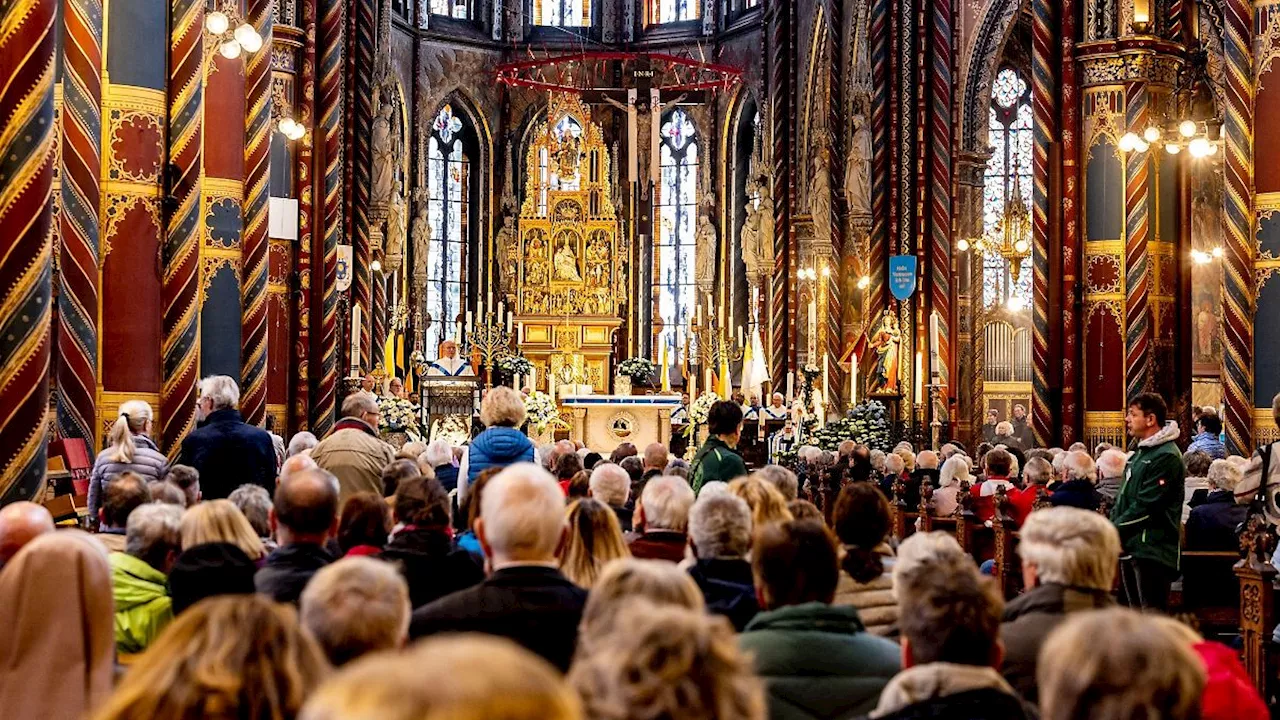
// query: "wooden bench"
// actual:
[[902, 518]]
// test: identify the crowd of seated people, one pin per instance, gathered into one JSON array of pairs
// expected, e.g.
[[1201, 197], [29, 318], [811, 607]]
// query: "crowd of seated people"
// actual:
[[513, 581]]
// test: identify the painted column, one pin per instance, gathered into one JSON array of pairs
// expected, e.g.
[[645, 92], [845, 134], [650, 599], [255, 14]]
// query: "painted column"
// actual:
[[180, 254], [1069, 224], [1044, 93], [258, 129], [26, 219], [361, 159], [1240, 251], [330, 135], [306, 182], [1266, 326], [780, 23], [970, 340], [940, 215], [81, 158]]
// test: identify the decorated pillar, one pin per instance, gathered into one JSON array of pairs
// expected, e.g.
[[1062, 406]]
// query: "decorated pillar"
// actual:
[[329, 133], [1044, 93], [362, 91], [1069, 223], [780, 34], [1266, 325], [81, 168], [258, 129], [180, 254], [26, 265], [306, 180], [970, 340]]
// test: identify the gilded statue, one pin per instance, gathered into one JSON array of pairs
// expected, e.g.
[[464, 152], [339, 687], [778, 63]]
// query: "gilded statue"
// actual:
[[885, 343], [384, 157], [566, 263], [857, 174], [705, 253]]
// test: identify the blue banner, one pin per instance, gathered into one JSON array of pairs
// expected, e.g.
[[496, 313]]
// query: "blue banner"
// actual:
[[902, 276]]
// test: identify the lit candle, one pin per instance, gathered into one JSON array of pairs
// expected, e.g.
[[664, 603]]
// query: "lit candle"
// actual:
[[934, 336]]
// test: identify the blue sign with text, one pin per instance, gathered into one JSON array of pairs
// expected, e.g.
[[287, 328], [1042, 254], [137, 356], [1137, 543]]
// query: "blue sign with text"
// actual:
[[902, 276]]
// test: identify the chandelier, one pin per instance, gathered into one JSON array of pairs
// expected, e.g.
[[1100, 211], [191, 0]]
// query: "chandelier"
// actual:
[[1012, 235], [1190, 101], [219, 22]]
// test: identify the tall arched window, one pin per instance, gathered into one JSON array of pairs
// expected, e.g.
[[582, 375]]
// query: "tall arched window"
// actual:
[[448, 212], [1010, 125], [677, 205], [669, 11], [562, 13], [460, 9]]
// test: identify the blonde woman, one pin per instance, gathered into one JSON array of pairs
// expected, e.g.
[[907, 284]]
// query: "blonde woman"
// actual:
[[658, 581], [767, 503], [129, 449], [221, 521], [236, 656], [595, 538]]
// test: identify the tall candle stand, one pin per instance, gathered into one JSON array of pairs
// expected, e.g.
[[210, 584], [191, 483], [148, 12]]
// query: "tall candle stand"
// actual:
[[489, 342], [713, 345]]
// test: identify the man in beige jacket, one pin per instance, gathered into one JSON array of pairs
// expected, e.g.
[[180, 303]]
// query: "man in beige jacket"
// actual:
[[353, 451]]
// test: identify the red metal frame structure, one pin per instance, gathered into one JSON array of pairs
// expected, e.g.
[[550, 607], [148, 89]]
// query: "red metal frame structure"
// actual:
[[688, 74]]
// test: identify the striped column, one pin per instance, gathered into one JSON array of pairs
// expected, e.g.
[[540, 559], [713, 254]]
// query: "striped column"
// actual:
[[1070, 227], [26, 218], [1043, 94], [1137, 346], [180, 268], [378, 319], [1237, 266], [81, 156], [305, 182], [879, 241], [361, 173], [940, 192], [330, 128], [257, 153], [780, 23]]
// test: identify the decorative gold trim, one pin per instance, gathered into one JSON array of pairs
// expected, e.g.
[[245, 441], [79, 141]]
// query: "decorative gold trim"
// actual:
[[215, 187], [1266, 200]]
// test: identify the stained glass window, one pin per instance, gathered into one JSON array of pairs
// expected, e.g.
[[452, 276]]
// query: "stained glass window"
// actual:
[[1011, 138], [677, 205], [451, 8], [562, 13], [448, 170], [668, 11]]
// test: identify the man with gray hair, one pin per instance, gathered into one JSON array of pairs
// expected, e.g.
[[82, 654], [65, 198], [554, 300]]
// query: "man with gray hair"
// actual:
[[139, 575], [720, 537], [662, 519], [526, 598], [1110, 473], [783, 479], [301, 442], [1077, 490], [356, 606], [224, 449], [611, 485], [1069, 559], [353, 451]]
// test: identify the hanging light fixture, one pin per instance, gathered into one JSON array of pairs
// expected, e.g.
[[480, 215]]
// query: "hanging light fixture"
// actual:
[[230, 43]]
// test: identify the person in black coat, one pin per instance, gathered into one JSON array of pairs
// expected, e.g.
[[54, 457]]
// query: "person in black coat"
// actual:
[[423, 550], [224, 449], [720, 536], [305, 519], [1212, 524], [526, 599]]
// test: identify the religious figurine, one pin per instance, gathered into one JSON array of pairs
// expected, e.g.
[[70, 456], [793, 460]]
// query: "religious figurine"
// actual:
[[384, 157], [885, 343], [764, 227], [394, 251], [857, 174], [449, 364], [566, 263], [705, 253], [420, 235], [820, 195], [508, 255], [749, 237]]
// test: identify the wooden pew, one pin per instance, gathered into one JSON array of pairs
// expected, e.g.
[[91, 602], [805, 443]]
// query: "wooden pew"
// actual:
[[903, 518], [1257, 579], [1008, 567]]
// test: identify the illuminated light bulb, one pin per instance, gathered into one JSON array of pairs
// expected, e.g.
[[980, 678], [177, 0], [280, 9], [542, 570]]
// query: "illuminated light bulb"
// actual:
[[1173, 148], [243, 32], [1217, 251], [1020, 246], [826, 271], [1213, 148], [1141, 145], [1199, 147], [1015, 303], [298, 132], [230, 50], [252, 43], [864, 282], [286, 126], [1129, 142], [375, 266], [1151, 134], [1187, 128], [962, 245], [216, 22]]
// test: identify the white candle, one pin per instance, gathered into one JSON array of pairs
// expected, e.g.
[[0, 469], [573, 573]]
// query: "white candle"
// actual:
[[502, 310], [509, 318], [813, 329], [934, 332], [533, 377], [853, 382], [355, 337], [706, 375], [791, 385], [699, 316], [489, 299], [519, 332], [739, 336], [551, 385], [919, 376], [826, 389], [469, 318]]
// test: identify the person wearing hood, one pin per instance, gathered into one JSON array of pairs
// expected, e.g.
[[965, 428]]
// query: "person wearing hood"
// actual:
[[501, 444], [423, 549], [353, 452], [139, 579], [1148, 509]]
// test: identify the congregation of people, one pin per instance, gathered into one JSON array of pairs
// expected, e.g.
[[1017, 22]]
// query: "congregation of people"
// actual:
[[342, 578]]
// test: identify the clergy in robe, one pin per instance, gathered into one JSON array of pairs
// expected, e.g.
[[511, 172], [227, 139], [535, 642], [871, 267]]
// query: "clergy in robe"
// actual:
[[449, 364]]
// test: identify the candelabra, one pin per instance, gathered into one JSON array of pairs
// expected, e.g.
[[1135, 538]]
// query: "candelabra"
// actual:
[[489, 342], [713, 346]]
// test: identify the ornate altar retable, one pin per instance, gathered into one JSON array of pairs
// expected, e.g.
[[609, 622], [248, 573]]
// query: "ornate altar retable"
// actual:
[[603, 422], [571, 263]]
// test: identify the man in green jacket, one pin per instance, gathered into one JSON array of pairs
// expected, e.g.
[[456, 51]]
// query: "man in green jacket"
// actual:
[[1148, 509], [139, 575], [717, 459], [817, 659]]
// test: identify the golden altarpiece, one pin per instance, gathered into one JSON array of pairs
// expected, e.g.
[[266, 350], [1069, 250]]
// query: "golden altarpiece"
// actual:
[[572, 271]]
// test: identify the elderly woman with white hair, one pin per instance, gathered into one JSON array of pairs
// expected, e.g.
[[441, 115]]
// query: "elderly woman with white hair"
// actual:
[[225, 450], [1212, 524], [1077, 490], [1110, 473], [946, 499], [1069, 559], [439, 457]]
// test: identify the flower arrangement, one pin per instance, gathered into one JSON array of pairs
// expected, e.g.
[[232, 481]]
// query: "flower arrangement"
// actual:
[[700, 410], [399, 415], [867, 424], [513, 365], [541, 411], [811, 372], [640, 370]]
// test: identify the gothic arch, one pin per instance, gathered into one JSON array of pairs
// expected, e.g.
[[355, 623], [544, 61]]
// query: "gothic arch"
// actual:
[[990, 37], [484, 199]]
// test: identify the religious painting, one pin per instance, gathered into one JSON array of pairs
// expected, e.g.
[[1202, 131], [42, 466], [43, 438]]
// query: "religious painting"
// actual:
[[883, 351], [1207, 233]]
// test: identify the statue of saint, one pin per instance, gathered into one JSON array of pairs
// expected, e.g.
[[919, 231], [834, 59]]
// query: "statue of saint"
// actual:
[[764, 228], [420, 235], [508, 254], [820, 195], [749, 238], [857, 174], [384, 157], [704, 272], [394, 251], [566, 263], [885, 342]]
